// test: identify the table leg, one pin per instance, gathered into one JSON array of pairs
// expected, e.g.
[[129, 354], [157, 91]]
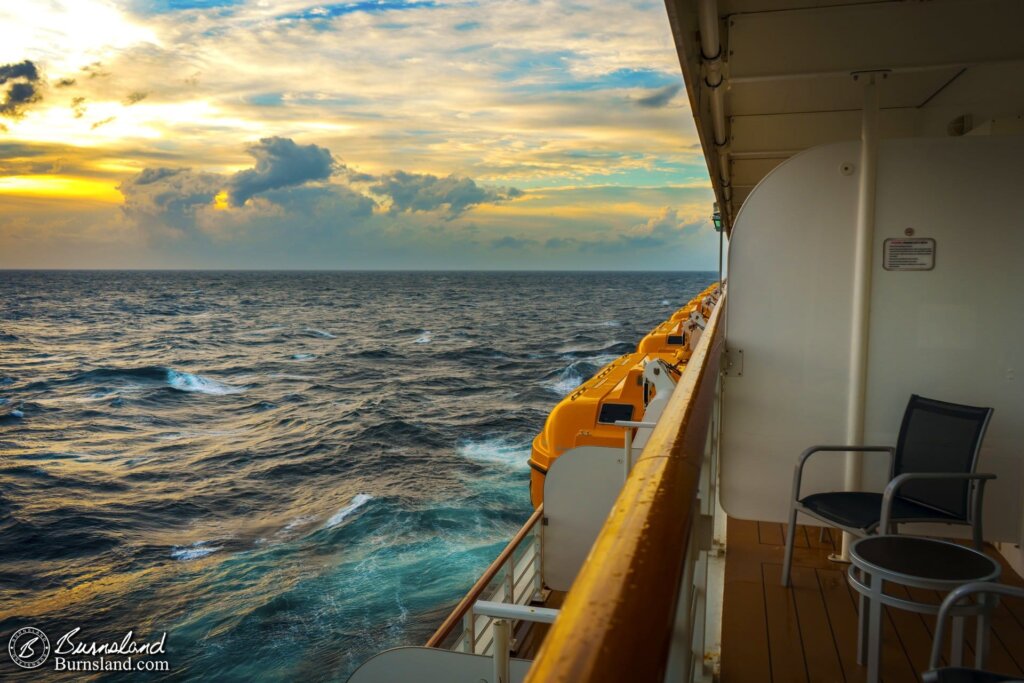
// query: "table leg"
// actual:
[[981, 640], [862, 621], [874, 630], [956, 642]]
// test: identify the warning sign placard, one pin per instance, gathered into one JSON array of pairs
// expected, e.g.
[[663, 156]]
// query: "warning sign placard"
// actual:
[[916, 253]]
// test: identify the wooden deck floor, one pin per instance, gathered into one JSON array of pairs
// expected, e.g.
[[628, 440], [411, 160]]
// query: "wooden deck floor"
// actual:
[[808, 634]]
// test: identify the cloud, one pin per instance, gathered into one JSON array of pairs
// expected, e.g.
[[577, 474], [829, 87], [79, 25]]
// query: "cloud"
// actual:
[[102, 122], [277, 191], [280, 163], [660, 97], [510, 242], [424, 192], [23, 91], [134, 97], [78, 106], [65, 83], [659, 230], [169, 196]]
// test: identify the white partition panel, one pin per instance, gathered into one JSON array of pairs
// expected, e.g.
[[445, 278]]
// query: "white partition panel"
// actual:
[[954, 333], [579, 491]]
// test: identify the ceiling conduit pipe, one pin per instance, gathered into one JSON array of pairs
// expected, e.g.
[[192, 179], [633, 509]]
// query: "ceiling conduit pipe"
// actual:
[[711, 57]]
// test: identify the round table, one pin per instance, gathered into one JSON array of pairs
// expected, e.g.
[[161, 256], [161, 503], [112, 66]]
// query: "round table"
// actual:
[[916, 563]]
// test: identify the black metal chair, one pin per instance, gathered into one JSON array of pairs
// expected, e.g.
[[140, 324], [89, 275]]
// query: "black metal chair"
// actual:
[[959, 674], [931, 477]]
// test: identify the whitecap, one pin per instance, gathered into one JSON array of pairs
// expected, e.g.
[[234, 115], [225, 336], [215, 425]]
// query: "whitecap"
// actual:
[[186, 381], [194, 551], [573, 376], [297, 522], [16, 413], [611, 323], [320, 333], [303, 356], [498, 450], [358, 501], [666, 302], [424, 338]]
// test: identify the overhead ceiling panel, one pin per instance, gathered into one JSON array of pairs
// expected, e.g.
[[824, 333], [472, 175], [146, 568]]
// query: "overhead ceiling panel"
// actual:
[[894, 35], [833, 93]]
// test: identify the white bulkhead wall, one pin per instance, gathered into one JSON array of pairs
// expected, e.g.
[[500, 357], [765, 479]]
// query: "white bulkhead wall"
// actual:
[[955, 333]]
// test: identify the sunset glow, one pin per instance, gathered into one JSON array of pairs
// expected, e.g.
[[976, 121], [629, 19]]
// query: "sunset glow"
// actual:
[[296, 135]]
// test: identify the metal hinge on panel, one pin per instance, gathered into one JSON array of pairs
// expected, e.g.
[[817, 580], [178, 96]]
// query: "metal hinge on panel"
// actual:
[[732, 362]]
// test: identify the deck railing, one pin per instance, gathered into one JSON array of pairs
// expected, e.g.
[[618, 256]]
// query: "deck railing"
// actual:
[[636, 590], [513, 578]]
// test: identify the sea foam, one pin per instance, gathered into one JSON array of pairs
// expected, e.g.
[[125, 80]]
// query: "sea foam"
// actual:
[[194, 551], [338, 517], [186, 381]]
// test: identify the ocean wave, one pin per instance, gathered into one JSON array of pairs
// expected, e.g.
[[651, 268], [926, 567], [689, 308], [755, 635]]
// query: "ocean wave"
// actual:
[[499, 450], [613, 349], [186, 381], [176, 379], [338, 517], [424, 338], [194, 551], [576, 373], [303, 356], [312, 331]]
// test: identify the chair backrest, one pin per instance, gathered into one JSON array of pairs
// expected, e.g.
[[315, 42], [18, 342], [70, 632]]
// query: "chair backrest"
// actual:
[[939, 437]]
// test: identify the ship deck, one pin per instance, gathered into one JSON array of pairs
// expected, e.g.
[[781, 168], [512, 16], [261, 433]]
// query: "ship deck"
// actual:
[[809, 633]]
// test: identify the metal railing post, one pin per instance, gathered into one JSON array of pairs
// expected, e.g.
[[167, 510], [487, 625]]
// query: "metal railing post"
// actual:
[[538, 561], [628, 458], [469, 631], [502, 635], [510, 578]]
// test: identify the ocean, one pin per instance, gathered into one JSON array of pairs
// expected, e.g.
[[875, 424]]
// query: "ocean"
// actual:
[[286, 472]]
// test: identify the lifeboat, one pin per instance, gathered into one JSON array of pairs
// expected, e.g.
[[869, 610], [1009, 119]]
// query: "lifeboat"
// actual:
[[633, 387]]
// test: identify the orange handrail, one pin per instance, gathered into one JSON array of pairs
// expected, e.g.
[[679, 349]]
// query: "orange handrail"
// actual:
[[474, 593], [617, 620]]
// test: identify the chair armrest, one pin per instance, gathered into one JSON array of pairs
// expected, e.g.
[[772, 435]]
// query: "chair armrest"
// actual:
[[894, 485], [806, 455], [954, 597]]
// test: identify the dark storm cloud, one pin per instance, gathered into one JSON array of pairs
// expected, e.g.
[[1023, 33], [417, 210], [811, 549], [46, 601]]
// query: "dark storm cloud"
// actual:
[[279, 163], [21, 81], [171, 196], [424, 192], [660, 97]]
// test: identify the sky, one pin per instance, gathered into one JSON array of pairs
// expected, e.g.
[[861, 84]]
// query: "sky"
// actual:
[[404, 134]]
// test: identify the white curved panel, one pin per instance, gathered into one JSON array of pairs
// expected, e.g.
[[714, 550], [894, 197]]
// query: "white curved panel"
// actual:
[[953, 333]]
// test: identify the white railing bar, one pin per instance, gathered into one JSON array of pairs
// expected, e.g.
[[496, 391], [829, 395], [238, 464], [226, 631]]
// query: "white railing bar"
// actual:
[[638, 425], [542, 615]]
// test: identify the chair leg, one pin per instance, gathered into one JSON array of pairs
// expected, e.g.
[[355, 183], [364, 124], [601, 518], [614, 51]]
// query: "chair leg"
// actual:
[[979, 541], [787, 560]]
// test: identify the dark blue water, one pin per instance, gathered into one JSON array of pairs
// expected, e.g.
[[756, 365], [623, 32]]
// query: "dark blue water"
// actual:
[[287, 472]]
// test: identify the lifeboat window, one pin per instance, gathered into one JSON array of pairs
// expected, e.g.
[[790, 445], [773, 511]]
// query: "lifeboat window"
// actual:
[[613, 412], [675, 339]]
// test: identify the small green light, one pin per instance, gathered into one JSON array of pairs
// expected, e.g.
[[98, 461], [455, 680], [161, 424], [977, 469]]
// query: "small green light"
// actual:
[[716, 218]]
